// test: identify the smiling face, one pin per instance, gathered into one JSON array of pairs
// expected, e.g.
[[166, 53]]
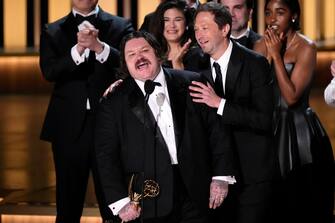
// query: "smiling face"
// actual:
[[210, 37], [174, 25], [240, 15], [141, 60], [278, 16], [84, 6]]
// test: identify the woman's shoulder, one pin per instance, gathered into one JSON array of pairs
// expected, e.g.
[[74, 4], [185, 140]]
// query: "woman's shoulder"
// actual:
[[304, 43]]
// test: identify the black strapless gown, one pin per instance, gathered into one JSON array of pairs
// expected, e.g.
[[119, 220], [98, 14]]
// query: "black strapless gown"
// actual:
[[306, 190]]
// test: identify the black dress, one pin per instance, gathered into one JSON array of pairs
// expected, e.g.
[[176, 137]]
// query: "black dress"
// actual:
[[194, 60], [306, 191]]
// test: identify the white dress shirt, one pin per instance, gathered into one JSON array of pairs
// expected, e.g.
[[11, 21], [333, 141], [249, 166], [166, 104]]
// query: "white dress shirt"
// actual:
[[245, 33], [329, 93], [223, 62]]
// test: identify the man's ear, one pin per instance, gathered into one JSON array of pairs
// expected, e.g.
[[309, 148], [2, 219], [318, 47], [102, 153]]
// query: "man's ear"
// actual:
[[225, 30]]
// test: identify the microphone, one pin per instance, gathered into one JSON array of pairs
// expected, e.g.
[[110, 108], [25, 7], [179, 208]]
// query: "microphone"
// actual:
[[160, 99], [149, 87]]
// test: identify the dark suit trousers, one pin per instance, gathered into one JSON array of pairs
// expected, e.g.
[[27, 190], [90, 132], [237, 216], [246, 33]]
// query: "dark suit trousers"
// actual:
[[73, 162], [251, 203], [184, 210]]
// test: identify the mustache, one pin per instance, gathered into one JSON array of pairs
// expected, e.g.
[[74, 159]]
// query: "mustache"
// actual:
[[141, 60]]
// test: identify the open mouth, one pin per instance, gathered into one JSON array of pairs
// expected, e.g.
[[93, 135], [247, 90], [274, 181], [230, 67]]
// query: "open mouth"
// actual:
[[142, 64], [273, 27]]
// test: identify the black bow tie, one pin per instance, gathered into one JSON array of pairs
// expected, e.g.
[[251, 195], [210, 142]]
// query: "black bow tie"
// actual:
[[91, 19]]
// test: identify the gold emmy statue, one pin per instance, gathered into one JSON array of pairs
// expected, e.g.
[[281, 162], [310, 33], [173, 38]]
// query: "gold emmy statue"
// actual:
[[150, 190]]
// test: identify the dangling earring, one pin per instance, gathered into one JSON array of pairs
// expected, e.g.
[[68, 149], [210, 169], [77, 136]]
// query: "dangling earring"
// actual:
[[293, 20], [186, 27]]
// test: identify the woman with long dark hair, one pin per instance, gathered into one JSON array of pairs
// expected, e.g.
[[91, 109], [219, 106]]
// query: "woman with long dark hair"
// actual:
[[306, 191], [174, 32]]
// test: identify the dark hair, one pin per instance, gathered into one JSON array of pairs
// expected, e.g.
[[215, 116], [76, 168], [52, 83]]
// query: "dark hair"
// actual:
[[135, 35], [158, 29], [222, 16], [294, 7], [250, 4]]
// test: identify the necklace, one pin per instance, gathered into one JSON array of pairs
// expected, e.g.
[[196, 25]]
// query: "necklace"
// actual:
[[290, 43]]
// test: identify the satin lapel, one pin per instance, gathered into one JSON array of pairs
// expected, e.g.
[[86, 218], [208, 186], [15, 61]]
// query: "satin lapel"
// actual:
[[177, 95], [70, 29], [233, 70], [103, 25], [137, 106]]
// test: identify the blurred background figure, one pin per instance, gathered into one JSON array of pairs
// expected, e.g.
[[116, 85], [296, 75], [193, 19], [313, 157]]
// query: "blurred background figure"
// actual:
[[241, 13], [306, 190]]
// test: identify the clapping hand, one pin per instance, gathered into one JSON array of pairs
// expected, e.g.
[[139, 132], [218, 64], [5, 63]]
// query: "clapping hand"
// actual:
[[177, 59], [332, 68], [87, 37]]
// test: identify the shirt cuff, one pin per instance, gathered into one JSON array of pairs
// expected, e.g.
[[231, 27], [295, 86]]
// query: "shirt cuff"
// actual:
[[229, 179], [76, 57], [103, 56], [118, 205], [221, 106]]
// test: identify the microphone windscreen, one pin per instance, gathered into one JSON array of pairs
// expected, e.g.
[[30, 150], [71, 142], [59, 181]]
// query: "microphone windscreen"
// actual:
[[160, 99]]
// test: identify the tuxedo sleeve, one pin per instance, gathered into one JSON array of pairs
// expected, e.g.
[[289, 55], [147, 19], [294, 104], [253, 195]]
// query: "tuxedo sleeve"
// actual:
[[220, 142], [256, 110], [108, 150], [55, 66]]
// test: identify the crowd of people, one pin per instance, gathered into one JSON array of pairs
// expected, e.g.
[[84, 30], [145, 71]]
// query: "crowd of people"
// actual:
[[195, 118]]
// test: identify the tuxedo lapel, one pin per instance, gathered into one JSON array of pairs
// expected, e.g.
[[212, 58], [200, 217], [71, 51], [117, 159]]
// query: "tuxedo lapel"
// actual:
[[139, 108], [103, 25], [177, 95], [233, 70], [70, 29]]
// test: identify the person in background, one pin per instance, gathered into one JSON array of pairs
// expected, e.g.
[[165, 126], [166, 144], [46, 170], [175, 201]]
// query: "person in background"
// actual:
[[149, 21], [174, 34], [242, 95], [306, 189], [241, 13], [329, 93], [161, 136], [79, 54]]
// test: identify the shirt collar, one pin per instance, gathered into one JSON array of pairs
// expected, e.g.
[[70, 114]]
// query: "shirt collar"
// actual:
[[246, 33], [224, 59], [160, 78], [94, 11]]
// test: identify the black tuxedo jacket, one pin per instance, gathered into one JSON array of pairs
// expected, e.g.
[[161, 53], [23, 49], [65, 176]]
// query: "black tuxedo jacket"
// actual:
[[249, 41], [127, 143], [248, 111], [74, 84]]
